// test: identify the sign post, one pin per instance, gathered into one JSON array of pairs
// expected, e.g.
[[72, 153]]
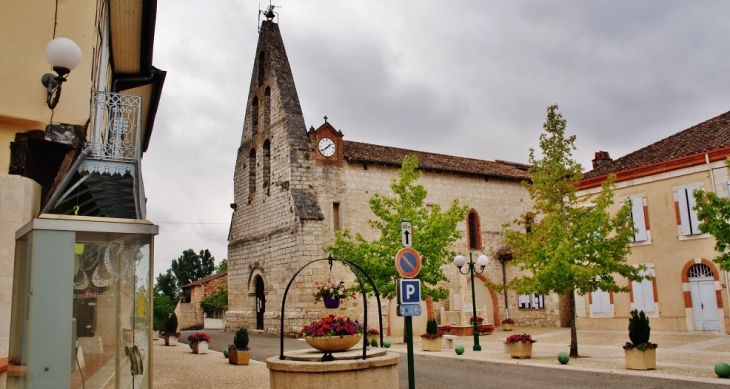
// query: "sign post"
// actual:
[[408, 263]]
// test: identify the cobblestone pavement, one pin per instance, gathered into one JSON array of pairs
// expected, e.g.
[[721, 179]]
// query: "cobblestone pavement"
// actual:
[[681, 355]]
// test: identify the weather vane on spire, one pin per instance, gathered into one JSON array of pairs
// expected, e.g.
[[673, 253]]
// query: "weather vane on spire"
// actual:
[[269, 13]]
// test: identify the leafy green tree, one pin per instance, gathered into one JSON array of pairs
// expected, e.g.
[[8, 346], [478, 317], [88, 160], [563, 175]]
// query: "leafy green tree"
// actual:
[[167, 285], [222, 266], [162, 308], [190, 267], [572, 246], [714, 212], [433, 233]]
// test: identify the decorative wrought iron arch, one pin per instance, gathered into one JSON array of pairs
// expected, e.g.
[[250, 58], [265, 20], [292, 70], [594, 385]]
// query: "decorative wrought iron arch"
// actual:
[[352, 267]]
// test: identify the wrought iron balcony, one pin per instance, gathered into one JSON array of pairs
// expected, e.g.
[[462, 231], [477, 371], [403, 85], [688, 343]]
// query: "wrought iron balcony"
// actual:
[[109, 180]]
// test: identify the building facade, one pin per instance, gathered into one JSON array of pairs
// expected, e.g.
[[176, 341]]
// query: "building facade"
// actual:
[[687, 291], [71, 146], [293, 188]]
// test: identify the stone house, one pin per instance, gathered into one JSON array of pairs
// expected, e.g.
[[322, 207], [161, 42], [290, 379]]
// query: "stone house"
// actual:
[[293, 188], [687, 291], [190, 314]]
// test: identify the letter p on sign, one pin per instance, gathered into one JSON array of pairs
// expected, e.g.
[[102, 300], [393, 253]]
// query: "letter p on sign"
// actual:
[[409, 291]]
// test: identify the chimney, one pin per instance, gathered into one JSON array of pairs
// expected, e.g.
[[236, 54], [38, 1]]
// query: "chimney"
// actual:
[[602, 158]]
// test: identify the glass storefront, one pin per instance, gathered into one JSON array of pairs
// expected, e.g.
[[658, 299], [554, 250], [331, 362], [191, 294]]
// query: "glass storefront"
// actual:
[[81, 308]]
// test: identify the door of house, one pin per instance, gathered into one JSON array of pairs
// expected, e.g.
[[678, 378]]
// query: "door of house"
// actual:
[[704, 298], [260, 303]]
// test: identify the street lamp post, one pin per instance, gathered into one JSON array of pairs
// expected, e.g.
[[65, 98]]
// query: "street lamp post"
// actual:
[[482, 261]]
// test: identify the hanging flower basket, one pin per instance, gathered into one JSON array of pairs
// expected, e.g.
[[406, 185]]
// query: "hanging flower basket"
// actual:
[[331, 302], [333, 293]]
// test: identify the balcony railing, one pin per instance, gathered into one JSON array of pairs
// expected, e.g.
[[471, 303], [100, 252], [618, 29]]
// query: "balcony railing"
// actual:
[[115, 130]]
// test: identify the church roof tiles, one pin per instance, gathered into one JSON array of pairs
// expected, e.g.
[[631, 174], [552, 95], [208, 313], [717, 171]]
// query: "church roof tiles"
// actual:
[[365, 152]]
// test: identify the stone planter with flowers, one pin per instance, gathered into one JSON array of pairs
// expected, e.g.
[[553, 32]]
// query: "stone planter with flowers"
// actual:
[[639, 352], [333, 333], [508, 324], [239, 353], [199, 342], [520, 345], [431, 340]]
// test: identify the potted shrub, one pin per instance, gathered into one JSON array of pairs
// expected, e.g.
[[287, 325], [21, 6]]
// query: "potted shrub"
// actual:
[[446, 330], [170, 329], [333, 333], [640, 353], [479, 320], [431, 340], [332, 293], [239, 352], [199, 342], [372, 336], [507, 324], [520, 345]]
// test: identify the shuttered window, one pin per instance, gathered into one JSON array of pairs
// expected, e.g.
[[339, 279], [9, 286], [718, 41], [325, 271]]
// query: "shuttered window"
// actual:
[[687, 214], [600, 302], [637, 216], [531, 301], [643, 293]]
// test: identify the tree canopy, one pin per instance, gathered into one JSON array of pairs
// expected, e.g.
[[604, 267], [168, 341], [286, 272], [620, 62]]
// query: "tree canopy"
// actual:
[[571, 245], [714, 212], [434, 231]]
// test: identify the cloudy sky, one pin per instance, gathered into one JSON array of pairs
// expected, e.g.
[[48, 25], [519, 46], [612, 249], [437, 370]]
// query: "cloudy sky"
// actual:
[[467, 78]]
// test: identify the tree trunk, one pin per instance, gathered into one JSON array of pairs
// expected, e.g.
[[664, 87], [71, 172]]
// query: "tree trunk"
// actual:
[[573, 328]]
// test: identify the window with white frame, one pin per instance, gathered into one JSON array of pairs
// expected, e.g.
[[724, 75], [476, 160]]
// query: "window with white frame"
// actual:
[[600, 302], [687, 214], [639, 218], [643, 293], [531, 301]]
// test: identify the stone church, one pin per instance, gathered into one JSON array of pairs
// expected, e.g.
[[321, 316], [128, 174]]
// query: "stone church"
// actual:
[[293, 188]]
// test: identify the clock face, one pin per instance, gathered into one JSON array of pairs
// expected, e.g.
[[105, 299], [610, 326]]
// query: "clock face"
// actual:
[[327, 147]]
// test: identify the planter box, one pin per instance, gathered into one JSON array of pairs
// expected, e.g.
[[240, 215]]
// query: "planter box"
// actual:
[[238, 357], [507, 326], [431, 344], [200, 347], [520, 350], [640, 360]]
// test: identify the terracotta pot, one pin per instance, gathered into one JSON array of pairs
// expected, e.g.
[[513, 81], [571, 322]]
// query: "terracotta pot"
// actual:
[[331, 302], [520, 350], [333, 343], [640, 360], [236, 357], [200, 347]]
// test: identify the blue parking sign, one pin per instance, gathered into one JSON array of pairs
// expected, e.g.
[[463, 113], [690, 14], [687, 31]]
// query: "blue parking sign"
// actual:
[[409, 291]]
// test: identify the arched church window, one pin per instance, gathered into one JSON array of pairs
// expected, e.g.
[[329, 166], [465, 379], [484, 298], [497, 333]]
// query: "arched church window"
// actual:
[[267, 107], [252, 172], [267, 163], [474, 231], [255, 115], [262, 67]]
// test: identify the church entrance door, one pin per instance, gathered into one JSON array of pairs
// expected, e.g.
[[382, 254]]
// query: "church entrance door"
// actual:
[[260, 303]]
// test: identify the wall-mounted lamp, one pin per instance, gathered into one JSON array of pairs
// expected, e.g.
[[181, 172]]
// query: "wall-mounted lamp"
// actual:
[[64, 55]]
